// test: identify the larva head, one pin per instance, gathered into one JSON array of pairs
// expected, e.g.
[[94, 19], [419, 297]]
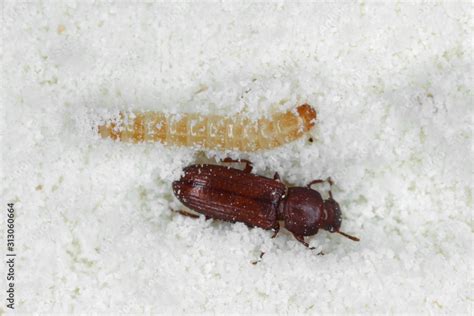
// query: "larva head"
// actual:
[[308, 114]]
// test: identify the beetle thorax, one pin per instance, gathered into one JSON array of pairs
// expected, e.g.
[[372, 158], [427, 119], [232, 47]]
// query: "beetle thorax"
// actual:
[[302, 210]]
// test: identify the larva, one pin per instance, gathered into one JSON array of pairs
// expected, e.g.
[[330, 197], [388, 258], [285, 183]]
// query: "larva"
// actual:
[[211, 132]]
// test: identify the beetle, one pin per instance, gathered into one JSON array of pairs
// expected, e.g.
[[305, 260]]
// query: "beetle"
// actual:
[[234, 195]]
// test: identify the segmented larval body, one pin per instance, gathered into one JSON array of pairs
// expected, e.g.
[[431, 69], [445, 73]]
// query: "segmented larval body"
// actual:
[[211, 132]]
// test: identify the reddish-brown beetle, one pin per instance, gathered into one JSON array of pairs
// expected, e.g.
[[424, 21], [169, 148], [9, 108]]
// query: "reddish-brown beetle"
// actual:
[[235, 195]]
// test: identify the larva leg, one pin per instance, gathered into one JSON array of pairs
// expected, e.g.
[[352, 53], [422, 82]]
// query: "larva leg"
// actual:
[[248, 164]]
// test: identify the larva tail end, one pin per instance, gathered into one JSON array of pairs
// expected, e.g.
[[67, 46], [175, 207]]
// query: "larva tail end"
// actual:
[[308, 114], [103, 131], [108, 131]]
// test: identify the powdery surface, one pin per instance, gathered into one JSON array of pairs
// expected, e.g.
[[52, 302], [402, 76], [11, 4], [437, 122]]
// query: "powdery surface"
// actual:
[[391, 84]]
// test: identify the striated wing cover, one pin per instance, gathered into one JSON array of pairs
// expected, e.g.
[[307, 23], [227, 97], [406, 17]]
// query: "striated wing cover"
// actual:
[[230, 194]]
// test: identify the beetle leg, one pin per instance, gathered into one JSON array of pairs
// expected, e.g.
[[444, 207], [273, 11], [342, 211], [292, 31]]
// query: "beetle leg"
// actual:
[[314, 182], [328, 180], [276, 230], [301, 240], [188, 214], [276, 177], [259, 259], [248, 164]]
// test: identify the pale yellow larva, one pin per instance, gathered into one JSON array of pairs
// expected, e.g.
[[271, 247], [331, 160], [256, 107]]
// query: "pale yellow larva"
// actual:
[[211, 132]]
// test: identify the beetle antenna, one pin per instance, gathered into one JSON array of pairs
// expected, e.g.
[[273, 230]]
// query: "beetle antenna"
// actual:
[[348, 236]]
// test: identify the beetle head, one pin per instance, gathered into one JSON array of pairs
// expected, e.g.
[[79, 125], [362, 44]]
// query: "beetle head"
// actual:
[[334, 218]]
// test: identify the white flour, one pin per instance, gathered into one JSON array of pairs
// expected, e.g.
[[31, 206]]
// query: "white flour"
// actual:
[[95, 233]]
